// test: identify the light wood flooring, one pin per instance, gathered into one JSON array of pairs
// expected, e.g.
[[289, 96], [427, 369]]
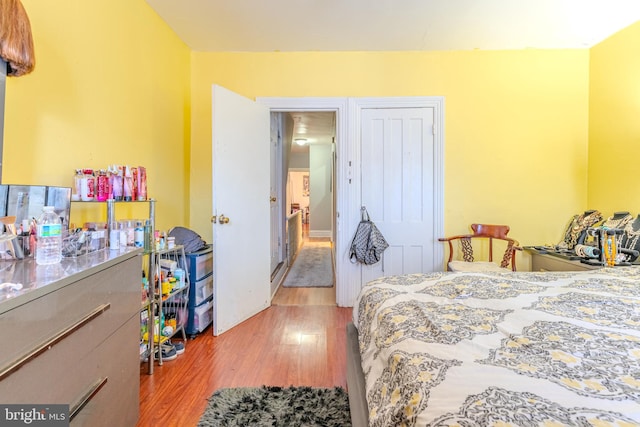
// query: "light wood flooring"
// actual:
[[299, 340], [306, 296]]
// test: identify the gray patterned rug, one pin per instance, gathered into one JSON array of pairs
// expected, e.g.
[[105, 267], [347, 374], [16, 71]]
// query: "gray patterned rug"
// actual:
[[278, 407], [312, 267]]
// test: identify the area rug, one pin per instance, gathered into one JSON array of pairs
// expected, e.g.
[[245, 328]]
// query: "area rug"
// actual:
[[278, 407], [312, 267]]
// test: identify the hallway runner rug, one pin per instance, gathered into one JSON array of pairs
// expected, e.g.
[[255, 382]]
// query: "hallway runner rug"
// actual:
[[312, 267], [277, 406]]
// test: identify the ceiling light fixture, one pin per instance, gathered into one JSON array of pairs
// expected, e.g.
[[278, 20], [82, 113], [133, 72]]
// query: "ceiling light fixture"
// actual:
[[300, 141]]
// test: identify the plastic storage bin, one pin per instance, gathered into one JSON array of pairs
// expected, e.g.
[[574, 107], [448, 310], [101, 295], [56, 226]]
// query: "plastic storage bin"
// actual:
[[202, 317], [200, 305], [200, 263], [202, 290]]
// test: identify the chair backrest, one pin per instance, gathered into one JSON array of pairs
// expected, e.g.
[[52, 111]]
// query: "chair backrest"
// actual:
[[490, 232]]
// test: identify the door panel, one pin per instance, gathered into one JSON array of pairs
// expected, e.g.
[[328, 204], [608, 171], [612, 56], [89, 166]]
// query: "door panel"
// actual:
[[241, 270], [397, 186]]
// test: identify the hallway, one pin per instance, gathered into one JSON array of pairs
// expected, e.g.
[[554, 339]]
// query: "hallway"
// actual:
[[306, 296]]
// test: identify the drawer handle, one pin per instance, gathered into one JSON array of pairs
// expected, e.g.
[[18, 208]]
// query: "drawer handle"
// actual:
[[38, 350], [82, 402]]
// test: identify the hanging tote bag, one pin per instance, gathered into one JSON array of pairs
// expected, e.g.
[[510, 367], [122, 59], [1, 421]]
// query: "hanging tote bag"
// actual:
[[368, 243]]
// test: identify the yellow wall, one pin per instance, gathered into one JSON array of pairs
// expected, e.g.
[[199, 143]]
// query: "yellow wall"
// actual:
[[111, 85], [515, 132], [614, 123]]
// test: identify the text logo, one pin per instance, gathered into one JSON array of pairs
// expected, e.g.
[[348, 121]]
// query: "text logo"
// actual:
[[34, 415]]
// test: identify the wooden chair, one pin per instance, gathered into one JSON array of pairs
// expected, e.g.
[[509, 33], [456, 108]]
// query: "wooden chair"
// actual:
[[482, 233]]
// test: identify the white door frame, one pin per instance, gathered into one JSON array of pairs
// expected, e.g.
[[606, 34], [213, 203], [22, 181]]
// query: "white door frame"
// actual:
[[339, 106], [348, 117]]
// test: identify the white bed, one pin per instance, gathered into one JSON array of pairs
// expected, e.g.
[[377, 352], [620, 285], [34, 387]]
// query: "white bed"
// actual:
[[500, 349]]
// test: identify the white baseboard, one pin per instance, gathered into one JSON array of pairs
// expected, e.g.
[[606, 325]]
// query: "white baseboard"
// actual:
[[319, 233]]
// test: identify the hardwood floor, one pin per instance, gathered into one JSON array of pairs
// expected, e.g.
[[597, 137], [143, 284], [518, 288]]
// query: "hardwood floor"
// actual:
[[299, 340], [305, 296]]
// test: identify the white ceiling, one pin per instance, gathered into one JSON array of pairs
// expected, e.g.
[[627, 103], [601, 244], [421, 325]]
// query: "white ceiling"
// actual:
[[318, 127], [393, 25]]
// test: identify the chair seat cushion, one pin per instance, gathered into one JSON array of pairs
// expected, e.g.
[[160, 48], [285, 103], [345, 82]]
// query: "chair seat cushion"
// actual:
[[476, 266]]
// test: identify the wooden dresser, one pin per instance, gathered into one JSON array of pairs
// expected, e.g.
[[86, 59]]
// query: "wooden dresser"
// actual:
[[71, 336]]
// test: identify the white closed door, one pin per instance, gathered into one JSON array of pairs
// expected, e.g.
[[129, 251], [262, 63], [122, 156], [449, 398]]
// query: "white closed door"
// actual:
[[397, 182], [241, 206]]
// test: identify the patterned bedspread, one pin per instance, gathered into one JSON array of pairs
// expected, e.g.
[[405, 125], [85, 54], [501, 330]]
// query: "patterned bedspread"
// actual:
[[502, 349]]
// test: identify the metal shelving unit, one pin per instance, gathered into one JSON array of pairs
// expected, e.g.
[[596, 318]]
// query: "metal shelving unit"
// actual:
[[169, 303], [148, 265], [173, 302]]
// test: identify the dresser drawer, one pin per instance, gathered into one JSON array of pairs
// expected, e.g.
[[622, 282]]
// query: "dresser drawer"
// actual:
[[117, 402], [112, 295], [70, 369], [545, 262]]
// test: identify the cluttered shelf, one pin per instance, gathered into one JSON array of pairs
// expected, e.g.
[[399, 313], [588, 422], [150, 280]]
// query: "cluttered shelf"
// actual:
[[170, 292], [167, 310], [591, 242]]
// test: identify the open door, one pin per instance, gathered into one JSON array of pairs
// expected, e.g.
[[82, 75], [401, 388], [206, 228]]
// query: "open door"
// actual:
[[241, 208]]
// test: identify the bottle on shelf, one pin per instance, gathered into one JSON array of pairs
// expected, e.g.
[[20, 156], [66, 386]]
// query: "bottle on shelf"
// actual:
[[114, 237], [22, 208], [149, 243], [127, 184], [76, 190], [138, 239], [88, 186], [49, 237], [102, 192], [117, 182]]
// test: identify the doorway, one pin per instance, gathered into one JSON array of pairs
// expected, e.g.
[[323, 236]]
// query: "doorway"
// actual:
[[348, 192], [241, 126], [308, 188]]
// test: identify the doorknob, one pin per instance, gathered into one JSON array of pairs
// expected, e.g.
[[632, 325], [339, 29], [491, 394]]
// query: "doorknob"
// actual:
[[223, 219], [272, 199]]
